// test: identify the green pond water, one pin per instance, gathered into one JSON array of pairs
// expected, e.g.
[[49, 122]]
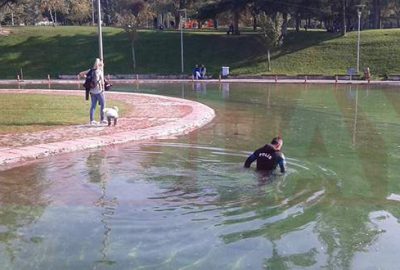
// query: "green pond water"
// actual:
[[188, 203]]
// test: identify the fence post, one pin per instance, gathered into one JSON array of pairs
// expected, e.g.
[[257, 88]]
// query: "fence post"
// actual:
[[276, 78], [78, 80]]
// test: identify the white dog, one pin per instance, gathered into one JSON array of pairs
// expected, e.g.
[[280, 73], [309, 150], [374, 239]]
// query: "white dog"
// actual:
[[111, 114]]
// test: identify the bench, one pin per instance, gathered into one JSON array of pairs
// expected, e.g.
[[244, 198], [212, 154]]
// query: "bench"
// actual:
[[348, 77], [393, 77]]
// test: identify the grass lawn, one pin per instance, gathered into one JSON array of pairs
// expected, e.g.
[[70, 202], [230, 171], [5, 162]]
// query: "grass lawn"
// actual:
[[317, 52], [34, 112], [39, 51]]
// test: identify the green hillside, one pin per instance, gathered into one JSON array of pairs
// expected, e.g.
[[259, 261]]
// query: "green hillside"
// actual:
[[39, 51]]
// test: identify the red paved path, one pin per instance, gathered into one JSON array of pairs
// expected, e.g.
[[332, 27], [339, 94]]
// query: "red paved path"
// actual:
[[152, 117]]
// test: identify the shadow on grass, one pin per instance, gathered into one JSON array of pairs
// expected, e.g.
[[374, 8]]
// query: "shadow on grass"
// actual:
[[294, 42], [156, 52]]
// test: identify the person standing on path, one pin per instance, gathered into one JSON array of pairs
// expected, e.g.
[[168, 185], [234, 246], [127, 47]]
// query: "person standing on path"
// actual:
[[96, 90]]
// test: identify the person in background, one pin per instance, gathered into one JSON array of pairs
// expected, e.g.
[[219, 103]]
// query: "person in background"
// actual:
[[196, 72], [203, 71], [268, 157]]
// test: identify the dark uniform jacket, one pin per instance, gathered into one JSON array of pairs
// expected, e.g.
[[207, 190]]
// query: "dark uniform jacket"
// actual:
[[267, 159]]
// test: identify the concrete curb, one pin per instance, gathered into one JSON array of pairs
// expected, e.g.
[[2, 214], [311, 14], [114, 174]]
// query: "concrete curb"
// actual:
[[198, 116], [78, 83]]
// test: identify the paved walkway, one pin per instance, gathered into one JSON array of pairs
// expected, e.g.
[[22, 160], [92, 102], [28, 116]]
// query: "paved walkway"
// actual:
[[152, 117]]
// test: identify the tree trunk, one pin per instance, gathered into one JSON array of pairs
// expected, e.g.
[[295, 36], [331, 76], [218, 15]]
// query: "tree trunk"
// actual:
[[298, 22], [133, 54], [377, 14], [93, 22], [107, 9], [254, 22], [343, 30], [284, 28], [215, 22], [178, 13], [269, 59], [236, 17], [160, 21], [51, 16], [177, 20]]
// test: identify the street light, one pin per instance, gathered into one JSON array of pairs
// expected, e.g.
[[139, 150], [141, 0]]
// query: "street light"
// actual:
[[181, 28], [99, 30], [359, 9]]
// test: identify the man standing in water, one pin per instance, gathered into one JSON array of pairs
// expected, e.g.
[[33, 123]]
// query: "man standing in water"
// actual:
[[268, 156]]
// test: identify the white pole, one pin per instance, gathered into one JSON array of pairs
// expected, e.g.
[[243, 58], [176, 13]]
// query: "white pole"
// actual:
[[99, 22], [358, 41]]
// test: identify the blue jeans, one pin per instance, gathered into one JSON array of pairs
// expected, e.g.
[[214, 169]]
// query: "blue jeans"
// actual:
[[97, 98]]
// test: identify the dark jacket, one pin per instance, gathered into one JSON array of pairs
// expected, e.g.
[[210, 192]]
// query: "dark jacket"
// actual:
[[267, 159]]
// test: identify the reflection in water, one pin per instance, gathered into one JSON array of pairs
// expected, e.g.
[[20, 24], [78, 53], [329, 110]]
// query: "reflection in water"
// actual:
[[21, 205], [355, 116], [188, 203], [200, 87], [225, 90], [307, 259], [99, 174]]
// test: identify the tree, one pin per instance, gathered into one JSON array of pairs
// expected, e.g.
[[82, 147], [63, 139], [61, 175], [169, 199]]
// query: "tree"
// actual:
[[4, 2], [160, 8], [132, 14], [394, 8], [376, 13], [30, 13], [9, 4], [271, 27], [277, 8], [179, 6], [52, 6], [210, 9], [79, 11], [108, 8]]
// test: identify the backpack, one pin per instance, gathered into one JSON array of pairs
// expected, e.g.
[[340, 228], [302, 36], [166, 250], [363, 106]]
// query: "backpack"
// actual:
[[90, 81]]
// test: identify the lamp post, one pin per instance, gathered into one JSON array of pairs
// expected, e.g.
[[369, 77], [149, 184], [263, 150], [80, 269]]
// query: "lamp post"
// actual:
[[99, 22], [181, 28], [359, 9]]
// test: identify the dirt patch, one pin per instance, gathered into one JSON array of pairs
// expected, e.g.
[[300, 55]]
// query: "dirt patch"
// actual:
[[4, 32]]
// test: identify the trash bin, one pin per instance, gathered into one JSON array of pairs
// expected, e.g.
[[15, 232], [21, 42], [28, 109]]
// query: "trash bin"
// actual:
[[225, 71]]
